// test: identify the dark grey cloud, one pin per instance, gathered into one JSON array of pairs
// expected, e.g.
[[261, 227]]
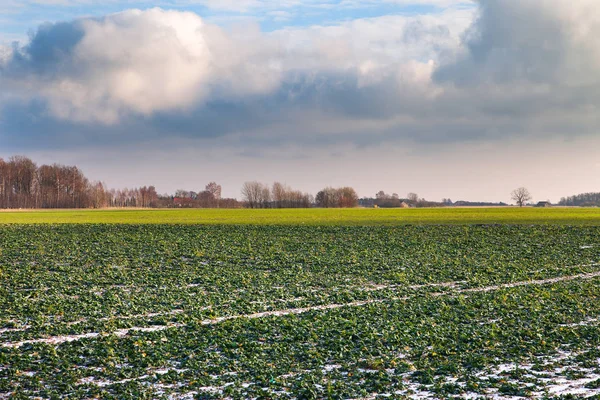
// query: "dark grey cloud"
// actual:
[[48, 54], [537, 42]]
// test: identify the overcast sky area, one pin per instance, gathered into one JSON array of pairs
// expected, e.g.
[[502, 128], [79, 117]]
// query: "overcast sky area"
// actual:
[[456, 99]]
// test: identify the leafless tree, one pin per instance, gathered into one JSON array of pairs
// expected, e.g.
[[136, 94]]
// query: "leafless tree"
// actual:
[[278, 193], [412, 198], [327, 198], [147, 196], [521, 196], [282, 196], [214, 189], [24, 185], [381, 195], [348, 197], [215, 192], [253, 193], [342, 197]]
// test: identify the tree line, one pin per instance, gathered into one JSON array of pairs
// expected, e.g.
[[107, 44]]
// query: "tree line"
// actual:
[[25, 185], [260, 195], [279, 195], [385, 200], [581, 200]]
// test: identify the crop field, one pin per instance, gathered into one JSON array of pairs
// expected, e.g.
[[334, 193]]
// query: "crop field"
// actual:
[[345, 312], [312, 216]]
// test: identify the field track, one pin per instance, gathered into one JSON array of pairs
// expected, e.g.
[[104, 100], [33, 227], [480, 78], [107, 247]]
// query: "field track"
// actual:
[[123, 332]]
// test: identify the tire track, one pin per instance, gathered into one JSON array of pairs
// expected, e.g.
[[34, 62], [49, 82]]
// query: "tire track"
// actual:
[[55, 340]]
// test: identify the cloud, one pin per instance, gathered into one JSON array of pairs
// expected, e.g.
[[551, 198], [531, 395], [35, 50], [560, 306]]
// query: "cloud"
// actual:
[[512, 69], [534, 61], [136, 62], [6, 54], [156, 61], [530, 41], [47, 53]]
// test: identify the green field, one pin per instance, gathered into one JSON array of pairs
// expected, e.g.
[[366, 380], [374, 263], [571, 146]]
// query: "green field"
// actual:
[[358, 216], [182, 312]]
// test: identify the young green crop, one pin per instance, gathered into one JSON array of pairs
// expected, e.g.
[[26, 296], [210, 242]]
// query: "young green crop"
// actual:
[[313, 216], [178, 311]]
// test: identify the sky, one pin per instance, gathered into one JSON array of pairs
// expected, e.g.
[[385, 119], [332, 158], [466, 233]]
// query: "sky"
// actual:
[[459, 99]]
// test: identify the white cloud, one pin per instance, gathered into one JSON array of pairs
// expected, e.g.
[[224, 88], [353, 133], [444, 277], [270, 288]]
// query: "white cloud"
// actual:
[[151, 61], [143, 62], [6, 53], [384, 41]]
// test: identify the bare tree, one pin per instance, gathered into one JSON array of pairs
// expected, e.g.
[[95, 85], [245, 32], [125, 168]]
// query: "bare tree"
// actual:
[[521, 196], [279, 192], [215, 192], [214, 189], [341, 197], [265, 196], [413, 198], [347, 197], [24, 185], [328, 198], [254, 193], [321, 199], [147, 196]]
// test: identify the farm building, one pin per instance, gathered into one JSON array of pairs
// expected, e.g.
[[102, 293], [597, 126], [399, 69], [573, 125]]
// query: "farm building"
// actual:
[[544, 204]]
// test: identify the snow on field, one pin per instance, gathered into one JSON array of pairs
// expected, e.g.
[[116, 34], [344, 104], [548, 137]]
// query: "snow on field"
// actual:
[[56, 340], [103, 383], [553, 380], [9, 330], [553, 375]]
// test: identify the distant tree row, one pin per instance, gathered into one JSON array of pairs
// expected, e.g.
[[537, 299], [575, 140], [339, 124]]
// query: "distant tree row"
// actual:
[[581, 200], [145, 196], [385, 200], [210, 197], [329, 197], [25, 185], [260, 195], [463, 203]]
